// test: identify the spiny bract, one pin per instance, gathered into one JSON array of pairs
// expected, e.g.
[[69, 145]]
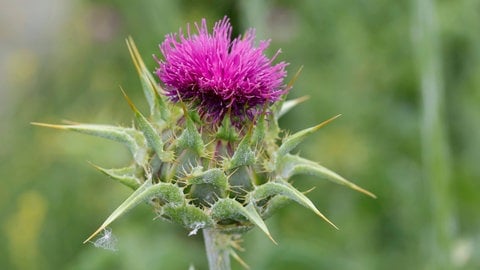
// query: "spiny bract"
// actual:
[[226, 178]]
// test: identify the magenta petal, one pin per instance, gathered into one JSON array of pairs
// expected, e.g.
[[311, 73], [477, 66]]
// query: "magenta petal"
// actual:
[[217, 74]]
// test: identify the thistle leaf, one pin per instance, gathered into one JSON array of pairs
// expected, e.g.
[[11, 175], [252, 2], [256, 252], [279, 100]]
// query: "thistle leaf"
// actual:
[[150, 88], [226, 132], [126, 176], [295, 77], [290, 142], [191, 138], [243, 155], [137, 59], [275, 203], [188, 216], [132, 138], [254, 217], [282, 188], [128, 204], [214, 176], [293, 165], [231, 209], [277, 107], [259, 131], [151, 135], [165, 191], [207, 186], [271, 135], [290, 104]]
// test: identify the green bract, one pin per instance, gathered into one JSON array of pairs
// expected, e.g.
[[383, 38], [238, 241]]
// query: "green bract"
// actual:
[[224, 178]]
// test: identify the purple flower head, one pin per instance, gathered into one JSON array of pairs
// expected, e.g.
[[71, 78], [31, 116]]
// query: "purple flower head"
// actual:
[[218, 75]]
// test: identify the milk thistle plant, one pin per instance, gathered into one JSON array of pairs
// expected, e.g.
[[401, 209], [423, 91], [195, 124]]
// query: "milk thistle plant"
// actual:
[[209, 155]]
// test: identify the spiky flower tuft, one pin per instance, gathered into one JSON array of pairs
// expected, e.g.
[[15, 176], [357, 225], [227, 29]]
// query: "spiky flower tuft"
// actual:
[[219, 75], [224, 180]]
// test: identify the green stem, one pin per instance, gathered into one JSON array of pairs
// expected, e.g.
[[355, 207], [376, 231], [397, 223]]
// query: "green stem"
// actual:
[[435, 150], [216, 245]]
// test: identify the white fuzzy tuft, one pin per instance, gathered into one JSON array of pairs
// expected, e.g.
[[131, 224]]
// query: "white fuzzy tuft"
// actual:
[[106, 241], [195, 227]]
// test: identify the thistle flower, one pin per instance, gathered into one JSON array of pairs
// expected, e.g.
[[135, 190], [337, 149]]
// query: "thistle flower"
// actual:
[[221, 181], [219, 75]]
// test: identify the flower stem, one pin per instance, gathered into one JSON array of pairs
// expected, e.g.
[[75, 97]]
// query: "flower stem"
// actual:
[[435, 152], [216, 245]]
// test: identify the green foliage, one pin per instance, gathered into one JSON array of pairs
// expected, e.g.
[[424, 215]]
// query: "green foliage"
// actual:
[[358, 59], [127, 176], [179, 190], [186, 185]]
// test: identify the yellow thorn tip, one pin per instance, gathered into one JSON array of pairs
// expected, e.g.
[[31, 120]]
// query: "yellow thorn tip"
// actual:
[[49, 125]]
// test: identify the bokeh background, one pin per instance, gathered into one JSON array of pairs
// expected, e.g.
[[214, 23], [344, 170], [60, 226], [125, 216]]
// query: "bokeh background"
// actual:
[[404, 74]]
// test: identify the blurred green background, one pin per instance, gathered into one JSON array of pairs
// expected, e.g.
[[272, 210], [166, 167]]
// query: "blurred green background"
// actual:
[[404, 74]]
